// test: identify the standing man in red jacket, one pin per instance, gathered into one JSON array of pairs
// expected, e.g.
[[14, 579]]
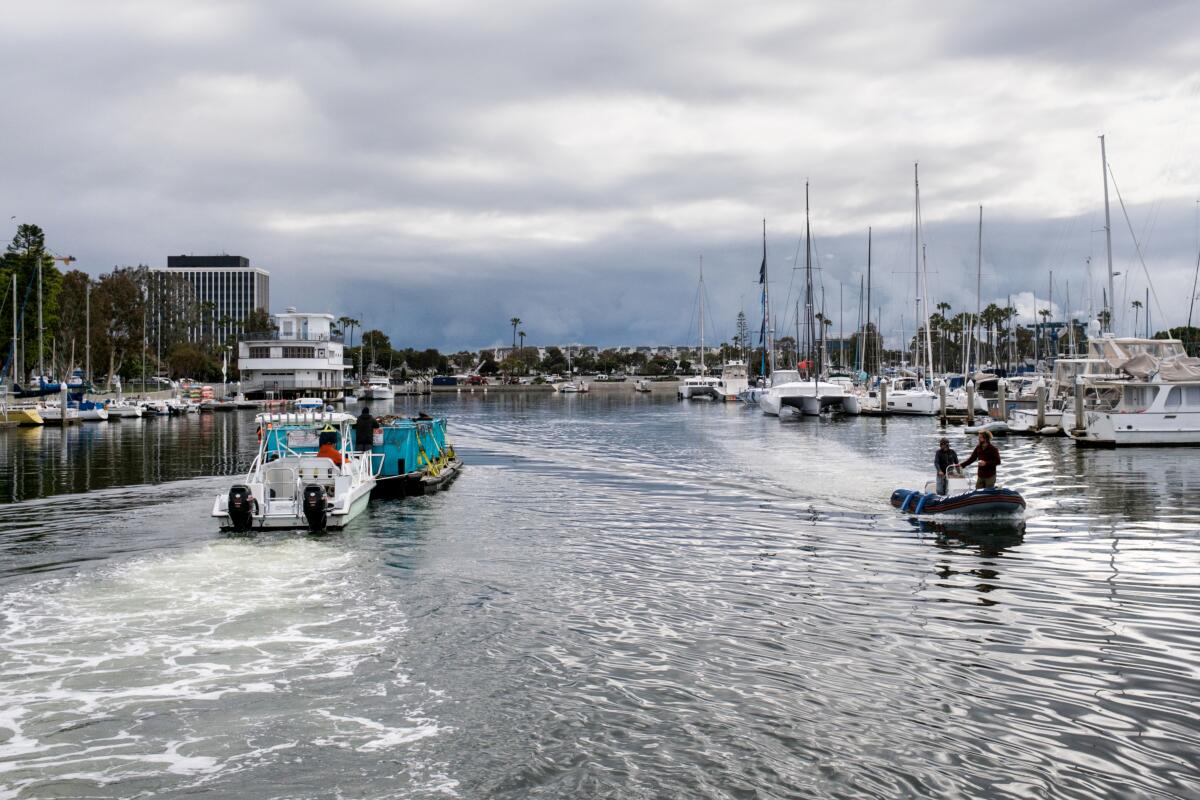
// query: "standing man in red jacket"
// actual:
[[988, 457]]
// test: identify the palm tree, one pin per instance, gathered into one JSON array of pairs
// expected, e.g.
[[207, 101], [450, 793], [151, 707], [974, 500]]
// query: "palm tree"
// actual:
[[940, 326], [1137, 308], [349, 323], [515, 321], [522, 335]]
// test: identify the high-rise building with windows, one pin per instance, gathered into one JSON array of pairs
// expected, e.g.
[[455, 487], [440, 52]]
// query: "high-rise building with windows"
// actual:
[[224, 290]]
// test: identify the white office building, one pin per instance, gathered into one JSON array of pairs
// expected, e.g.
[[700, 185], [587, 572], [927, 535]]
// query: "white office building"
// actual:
[[302, 357], [224, 290]]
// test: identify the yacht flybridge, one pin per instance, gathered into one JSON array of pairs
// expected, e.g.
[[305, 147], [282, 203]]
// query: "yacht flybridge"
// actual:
[[290, 486]]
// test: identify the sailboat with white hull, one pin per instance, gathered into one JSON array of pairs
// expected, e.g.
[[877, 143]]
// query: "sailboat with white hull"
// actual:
[[911, 396], [702, 386], [806, 395]]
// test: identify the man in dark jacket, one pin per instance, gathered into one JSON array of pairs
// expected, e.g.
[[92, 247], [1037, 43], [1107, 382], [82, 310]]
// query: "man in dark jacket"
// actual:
[[942, 461], [364, 430], [989, 458]]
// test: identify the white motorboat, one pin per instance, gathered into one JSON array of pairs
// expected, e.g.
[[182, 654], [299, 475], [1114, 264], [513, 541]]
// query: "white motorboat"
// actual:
[[956, 401], [642, 386], [734, 380], [805, 396], [909, 396], [124, 409], [155, 408], [290, 486], [377, 386], [572, 387], [309, 404], [56, 414]]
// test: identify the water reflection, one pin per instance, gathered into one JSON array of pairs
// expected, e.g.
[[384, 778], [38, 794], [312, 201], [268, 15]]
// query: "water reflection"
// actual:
[[47, 461]]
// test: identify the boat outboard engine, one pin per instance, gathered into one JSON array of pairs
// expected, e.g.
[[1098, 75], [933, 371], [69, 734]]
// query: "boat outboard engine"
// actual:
[[240, 506], [314, 507]]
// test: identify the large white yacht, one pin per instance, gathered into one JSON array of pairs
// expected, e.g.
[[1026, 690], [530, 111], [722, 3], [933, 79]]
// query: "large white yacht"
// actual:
[[290, 486], [1137, 392]]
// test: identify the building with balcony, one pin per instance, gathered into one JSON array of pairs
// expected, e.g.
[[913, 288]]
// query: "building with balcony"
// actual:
[[302, 357]]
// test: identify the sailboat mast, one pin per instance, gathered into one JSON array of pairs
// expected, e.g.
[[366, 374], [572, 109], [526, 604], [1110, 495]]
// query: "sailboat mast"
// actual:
[[701, 301], [1107, 237], [15, 369], [87, 333], [978, 285], [841, 328], [768, 331], [922, 278], [808, 292], [867, 345], [858, 350], [1050, 316], [41, 328]]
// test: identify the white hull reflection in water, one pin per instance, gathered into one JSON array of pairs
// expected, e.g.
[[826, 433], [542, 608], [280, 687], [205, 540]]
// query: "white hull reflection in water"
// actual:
[[623, 597], [207, 671]]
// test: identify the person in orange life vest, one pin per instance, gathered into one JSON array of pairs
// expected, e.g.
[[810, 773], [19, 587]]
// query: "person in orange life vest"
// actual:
[[328, 445]]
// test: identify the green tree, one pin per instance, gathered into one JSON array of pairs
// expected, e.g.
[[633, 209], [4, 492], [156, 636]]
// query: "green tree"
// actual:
[[259, 321], [554, 362]]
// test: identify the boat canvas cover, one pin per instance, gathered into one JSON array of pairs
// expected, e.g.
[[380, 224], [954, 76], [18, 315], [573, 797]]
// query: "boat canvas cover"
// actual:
[[1183, 368], [1179, 368]]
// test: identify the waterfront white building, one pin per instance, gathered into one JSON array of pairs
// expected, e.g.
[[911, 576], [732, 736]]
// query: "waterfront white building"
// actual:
[[301, 357]]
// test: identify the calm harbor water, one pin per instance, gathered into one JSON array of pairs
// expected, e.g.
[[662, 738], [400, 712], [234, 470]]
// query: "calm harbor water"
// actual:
[[621, 597]]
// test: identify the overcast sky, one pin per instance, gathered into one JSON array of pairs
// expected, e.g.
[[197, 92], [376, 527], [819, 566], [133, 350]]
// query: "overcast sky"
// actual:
[[435, 168]]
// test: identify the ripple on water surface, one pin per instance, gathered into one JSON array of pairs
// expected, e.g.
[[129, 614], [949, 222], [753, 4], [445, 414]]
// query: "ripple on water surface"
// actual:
[[630, 599], [239, 664]]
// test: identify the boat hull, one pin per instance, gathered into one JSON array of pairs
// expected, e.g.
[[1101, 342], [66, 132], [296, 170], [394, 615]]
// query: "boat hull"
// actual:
[[23, 416], [276, 520], [980, 503], [1114, 429]]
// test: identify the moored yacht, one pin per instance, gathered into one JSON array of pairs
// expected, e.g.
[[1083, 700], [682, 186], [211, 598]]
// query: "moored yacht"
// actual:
[[290, 486], [699, 387], [910, 396], [1157, 403], [377, 386], [734, 380], [805, 396]]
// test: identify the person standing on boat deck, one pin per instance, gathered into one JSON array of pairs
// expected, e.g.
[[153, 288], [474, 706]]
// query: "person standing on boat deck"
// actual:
[[364, 430], [942, 461], [989, 458]]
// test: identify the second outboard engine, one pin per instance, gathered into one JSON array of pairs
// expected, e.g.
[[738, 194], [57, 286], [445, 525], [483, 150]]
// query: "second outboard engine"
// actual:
[[241, 513], [314, 507]]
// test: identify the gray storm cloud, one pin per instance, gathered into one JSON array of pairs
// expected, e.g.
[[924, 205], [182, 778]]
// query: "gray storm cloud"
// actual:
[[436, 168]]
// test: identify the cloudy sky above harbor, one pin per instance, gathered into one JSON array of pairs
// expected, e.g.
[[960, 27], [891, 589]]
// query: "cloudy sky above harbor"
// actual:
[[435, 168]]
